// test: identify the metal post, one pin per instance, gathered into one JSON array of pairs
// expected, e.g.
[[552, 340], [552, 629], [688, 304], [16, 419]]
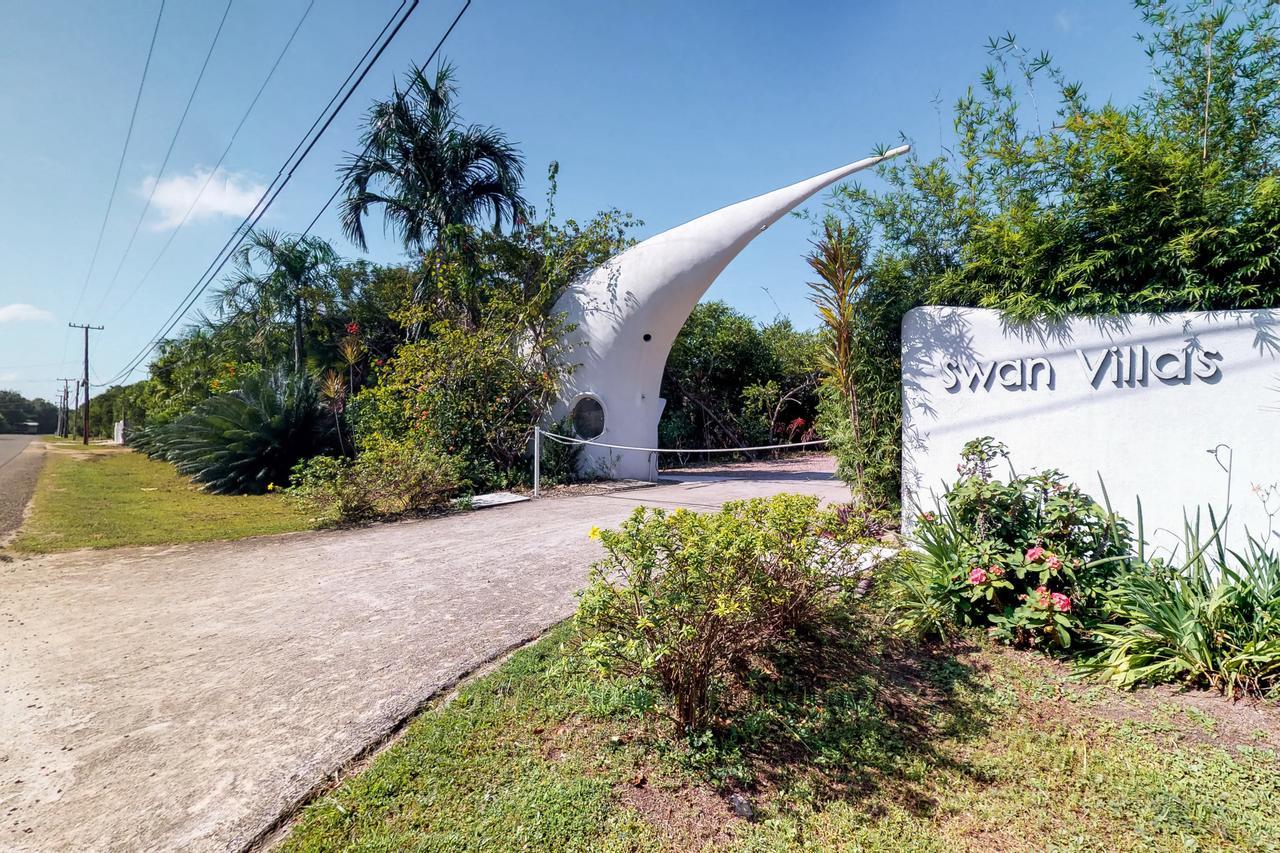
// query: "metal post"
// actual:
[[537, 461]]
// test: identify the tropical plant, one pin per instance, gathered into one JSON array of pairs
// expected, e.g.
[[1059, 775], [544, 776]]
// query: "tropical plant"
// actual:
[[426, 169], [295, 283], [837, 261], [433, 176], [1031, 558], [1208, 619], [387, 479], [246, 441], [681, 598]]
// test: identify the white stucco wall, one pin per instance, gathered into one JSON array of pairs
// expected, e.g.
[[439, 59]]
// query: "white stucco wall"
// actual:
[[1193, 381]]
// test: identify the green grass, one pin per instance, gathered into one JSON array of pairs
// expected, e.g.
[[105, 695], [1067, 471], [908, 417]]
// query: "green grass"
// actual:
[[889, 749], [100, 497]]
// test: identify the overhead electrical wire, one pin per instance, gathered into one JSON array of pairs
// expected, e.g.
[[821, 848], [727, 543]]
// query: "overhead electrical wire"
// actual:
[[247, 223], [164, 164], [115, 184], [221, 158], [278, 183]]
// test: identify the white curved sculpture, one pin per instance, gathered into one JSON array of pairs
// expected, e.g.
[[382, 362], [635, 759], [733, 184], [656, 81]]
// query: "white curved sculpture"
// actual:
[[627, 312]]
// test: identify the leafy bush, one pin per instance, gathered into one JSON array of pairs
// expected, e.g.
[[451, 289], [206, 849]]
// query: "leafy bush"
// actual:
[[246, 441], [1030, 559], [681, 599], [1212, 620], [472, 394], [387, 479]]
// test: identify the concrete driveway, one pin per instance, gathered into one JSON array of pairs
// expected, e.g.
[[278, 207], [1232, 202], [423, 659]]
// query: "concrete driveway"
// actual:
[[184, 698]]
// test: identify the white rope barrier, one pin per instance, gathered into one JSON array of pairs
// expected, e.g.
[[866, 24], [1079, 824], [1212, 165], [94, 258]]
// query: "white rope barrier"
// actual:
[[567, 439], [539, 434]]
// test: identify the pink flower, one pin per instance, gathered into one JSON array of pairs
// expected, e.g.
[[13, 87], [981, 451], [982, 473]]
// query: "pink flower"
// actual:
[[995, 570], [977, 575], [1053, 563], [1034, 554], [1060, 602]]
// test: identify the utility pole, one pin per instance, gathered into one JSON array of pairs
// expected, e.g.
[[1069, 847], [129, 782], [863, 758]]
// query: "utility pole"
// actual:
[[87, 329], [64, 414]]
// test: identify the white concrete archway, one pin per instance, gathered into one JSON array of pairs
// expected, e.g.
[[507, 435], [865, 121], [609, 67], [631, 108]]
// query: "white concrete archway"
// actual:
[[627, 312]]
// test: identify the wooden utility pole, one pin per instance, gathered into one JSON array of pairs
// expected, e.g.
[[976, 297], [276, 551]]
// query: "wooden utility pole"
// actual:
[[64, 414], [86, 328]]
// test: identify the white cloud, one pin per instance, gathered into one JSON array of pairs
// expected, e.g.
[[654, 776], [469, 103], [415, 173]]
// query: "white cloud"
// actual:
[[22, 312], [226, 194], [1064, 21]]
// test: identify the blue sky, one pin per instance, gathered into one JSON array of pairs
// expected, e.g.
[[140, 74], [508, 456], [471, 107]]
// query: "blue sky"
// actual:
[[665, 109]]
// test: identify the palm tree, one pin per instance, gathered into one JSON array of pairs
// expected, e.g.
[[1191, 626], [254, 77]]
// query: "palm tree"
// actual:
[[296, 279], [432, 175], [427, 170]]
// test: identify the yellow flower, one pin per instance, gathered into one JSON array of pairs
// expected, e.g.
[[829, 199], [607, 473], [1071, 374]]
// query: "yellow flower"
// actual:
[[271, 487], [595, 533]]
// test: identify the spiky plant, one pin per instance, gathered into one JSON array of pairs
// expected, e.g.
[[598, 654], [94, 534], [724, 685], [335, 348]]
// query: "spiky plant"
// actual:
[[247, 441], [1210, 620]]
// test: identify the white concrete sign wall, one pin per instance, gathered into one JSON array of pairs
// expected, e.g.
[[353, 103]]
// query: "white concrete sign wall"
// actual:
[[1141, 400]]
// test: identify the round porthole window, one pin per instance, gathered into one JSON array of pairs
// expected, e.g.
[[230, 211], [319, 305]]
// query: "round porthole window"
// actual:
[[587, 418]]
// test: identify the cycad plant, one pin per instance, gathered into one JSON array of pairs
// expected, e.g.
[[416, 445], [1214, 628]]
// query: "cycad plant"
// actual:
[[248, 440], [1209, 620]]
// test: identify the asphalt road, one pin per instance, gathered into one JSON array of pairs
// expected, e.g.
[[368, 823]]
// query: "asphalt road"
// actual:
[[185, 697], [18, 472]]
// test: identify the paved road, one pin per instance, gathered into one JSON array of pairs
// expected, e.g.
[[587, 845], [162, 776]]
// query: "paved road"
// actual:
[[183, 698], [20, 462]]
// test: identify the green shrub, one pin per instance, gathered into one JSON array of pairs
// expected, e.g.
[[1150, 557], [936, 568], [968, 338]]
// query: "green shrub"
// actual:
[[385, 480], [1212, 620], [246, 441], [1030, 559], [471, 394], [682, 599]]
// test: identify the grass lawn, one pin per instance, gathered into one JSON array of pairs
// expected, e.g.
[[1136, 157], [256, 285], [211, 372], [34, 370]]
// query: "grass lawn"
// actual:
[[105, 497], [890, 748]]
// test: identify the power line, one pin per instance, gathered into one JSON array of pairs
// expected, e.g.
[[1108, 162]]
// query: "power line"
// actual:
[[221, 158], [436, 50], [115, 185], [164, 164], [236, 235], [265, 202]]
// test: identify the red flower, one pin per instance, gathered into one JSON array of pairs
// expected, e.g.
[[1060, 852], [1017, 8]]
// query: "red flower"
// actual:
[[1061, 603], [353, 328]]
